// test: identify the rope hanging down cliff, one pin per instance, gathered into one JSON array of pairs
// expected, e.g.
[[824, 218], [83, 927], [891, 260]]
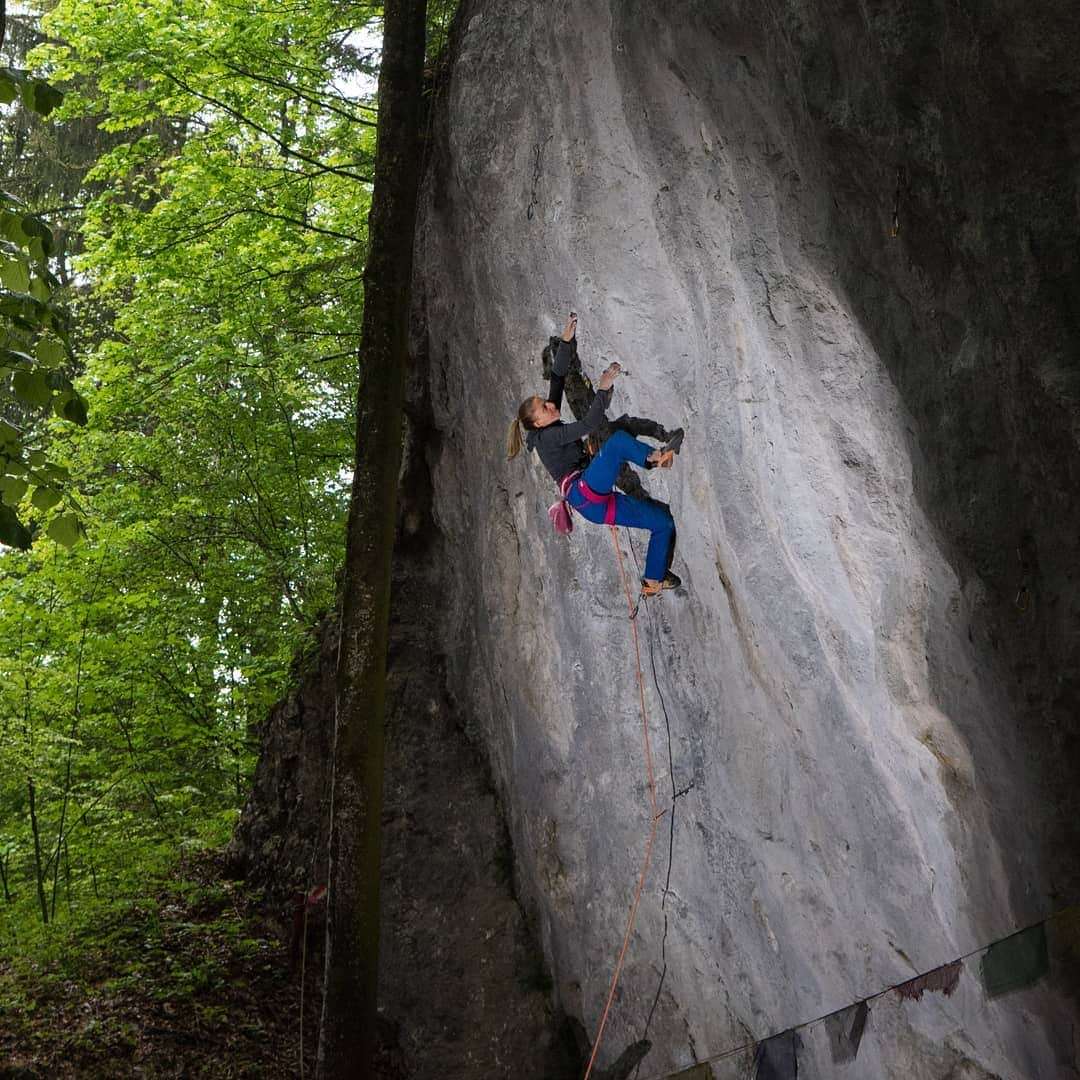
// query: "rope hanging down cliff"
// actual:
[[655, 815]]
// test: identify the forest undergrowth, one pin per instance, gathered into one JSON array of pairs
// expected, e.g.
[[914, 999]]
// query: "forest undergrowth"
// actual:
[[195, 978]]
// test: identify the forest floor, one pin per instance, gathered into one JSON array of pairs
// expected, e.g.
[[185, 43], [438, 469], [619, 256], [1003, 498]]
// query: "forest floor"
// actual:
[[196, 980]]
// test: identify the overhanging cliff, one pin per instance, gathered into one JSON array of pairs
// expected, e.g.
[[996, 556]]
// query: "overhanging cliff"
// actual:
[[866, 699]]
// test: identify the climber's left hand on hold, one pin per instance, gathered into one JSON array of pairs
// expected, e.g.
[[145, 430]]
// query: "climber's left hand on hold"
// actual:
[[607, 379], [571, 327]]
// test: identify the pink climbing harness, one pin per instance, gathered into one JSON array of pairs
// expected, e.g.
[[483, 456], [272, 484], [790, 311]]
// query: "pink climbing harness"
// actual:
[[608, 500], [560, 512]]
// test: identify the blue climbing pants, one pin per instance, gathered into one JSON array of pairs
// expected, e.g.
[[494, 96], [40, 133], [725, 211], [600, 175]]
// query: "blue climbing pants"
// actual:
[[600, 476]]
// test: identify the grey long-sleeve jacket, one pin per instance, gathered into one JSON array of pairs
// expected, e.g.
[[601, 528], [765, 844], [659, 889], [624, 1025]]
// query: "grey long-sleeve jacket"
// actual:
[[559, 444]]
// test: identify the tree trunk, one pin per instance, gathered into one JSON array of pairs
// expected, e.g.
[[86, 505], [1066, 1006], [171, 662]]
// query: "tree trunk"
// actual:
[[347, 1028], [38, 867], [61, 835]]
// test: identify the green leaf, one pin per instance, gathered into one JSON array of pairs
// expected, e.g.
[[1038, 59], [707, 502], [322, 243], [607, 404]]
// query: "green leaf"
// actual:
[[65, 529], [9, 88], [57, 473], [58, 381], [36, 229], [20, 307], [50, 353], [31, 387], [41, 97], [15, 275], [75, 409], [16, 467], [45, 498], [14, 358], [9, 434], [12, 489], [13, 532], [11, 228]]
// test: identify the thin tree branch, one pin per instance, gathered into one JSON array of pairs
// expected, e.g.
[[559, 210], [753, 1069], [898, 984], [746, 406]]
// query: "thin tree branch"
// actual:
[[283, 84], [207, 227], [50, 210], [148, 787], [93, 806], [287, 150], [333, 356], [326, 333], [370, 69], [61, 835], [304, 225]]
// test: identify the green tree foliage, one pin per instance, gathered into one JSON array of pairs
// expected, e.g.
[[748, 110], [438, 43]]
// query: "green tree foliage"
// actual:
[[215, 308], [18, 84], [35, 348]]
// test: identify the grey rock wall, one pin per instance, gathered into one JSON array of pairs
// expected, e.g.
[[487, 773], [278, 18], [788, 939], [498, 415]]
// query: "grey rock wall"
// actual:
[[862, 710]]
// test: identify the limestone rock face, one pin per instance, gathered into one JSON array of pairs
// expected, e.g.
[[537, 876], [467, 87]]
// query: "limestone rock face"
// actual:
[[862, 708]]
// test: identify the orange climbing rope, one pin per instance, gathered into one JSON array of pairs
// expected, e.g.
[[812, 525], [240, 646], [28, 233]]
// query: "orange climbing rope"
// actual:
[[656, 815]]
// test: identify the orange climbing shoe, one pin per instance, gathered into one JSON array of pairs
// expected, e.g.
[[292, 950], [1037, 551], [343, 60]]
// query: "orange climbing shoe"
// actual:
[[654, 588], [668, 451], [674, 444]]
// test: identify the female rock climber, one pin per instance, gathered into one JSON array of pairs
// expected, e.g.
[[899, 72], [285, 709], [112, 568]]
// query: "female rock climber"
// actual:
[[587, 486]]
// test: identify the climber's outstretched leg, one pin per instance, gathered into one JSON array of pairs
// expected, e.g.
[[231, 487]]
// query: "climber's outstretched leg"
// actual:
[[654, 516], [638, 425], [604, 468]]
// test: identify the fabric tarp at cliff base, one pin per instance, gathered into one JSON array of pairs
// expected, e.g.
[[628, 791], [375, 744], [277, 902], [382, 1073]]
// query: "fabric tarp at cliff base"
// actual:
[[1015, 963], [1064, 941], [943, 979], [845, 1030], [778, 1057]]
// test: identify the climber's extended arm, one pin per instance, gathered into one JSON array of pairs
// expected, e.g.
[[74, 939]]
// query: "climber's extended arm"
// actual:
[[560, 434], [561, 364]]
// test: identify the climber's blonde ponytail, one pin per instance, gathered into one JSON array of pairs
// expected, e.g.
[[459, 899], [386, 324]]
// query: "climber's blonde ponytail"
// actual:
[[522, 420], [513, 440]]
